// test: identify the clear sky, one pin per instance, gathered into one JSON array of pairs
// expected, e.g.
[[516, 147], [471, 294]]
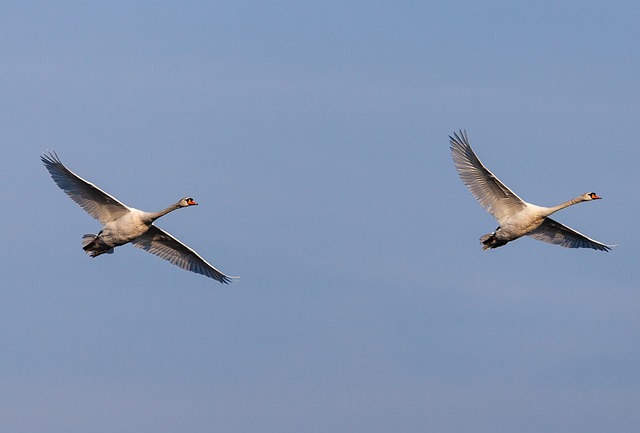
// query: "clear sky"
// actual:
[[314, 135]]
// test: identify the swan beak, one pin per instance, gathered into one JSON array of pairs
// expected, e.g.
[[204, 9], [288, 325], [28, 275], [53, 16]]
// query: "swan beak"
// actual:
[[193, 203], [595, 197]]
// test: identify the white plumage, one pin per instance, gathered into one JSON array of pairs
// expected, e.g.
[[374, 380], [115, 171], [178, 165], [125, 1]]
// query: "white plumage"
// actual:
[[123, 224], [516, 217]]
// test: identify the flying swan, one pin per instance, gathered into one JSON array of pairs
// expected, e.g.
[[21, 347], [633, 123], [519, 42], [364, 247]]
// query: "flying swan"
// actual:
[[516, 217], [124, 224]]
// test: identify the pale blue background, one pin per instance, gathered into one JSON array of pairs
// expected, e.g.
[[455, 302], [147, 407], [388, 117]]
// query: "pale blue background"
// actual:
[[314, 137]]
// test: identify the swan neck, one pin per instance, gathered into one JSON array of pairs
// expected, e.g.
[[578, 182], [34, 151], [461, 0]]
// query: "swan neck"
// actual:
[[155, 215], [564, 205]]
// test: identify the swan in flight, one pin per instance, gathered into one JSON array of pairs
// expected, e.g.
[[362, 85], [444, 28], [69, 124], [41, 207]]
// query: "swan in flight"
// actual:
[[124, 224], [516, 217]]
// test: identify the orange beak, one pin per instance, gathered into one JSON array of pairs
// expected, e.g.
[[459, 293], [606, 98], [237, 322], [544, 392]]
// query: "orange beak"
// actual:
[[595, 197], [193, 203]]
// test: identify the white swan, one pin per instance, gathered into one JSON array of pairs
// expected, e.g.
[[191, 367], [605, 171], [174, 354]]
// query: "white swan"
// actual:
[[124, 224], [516, 217]]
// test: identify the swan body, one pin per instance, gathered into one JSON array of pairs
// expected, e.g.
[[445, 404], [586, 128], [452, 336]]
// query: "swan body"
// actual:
[[516, 218], [126, 229], [123, 224]]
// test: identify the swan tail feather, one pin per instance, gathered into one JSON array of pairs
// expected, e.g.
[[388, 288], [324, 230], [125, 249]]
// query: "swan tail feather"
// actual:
[[91, 245], [87, 239], [490, 241]]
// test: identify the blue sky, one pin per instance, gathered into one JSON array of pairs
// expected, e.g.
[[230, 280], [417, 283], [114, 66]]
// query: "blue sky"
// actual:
[[314, 137]]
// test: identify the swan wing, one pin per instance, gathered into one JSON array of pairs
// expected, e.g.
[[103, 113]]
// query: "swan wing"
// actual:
[[553, 232], [162, 244], [492, 194], [97, 203]]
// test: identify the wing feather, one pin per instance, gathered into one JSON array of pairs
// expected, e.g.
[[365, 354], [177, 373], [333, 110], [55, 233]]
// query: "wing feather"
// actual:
[[97, 203], [553, 232], [492, 194], [162, 244]]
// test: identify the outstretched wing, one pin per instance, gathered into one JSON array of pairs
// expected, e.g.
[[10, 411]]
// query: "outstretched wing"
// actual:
[[553, 232], [162, 244], [492, 194], [97, 203]]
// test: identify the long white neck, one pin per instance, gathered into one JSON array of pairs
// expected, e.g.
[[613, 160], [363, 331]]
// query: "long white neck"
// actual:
[[152, 216], [566, 204]]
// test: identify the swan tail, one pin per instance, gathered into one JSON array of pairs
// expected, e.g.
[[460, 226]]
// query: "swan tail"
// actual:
[[490, 241], [87, 240], [92, 246]]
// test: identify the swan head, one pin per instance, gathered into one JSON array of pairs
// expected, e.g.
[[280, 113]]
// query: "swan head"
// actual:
[[187, 201], [590, 196]]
